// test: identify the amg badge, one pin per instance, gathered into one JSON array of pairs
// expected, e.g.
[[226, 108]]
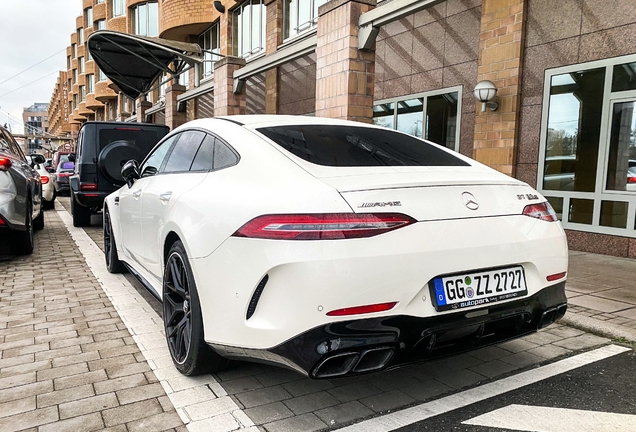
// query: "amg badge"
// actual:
[[381, 204]]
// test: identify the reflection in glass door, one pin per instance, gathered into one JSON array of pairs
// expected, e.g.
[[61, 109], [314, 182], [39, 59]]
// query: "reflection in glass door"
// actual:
[[621, 161]]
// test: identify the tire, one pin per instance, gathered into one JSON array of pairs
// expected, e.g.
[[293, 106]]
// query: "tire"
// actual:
[[110, 248], [22, 242], [81, 214], [38, 222], [48, 205], [182, 318]]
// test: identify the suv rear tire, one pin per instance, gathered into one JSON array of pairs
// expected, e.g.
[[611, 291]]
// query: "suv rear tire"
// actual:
[[38, 222], [81, 214]]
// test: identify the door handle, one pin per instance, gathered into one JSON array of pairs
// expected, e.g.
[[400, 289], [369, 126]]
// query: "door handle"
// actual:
[[165, 197], [137, 193]]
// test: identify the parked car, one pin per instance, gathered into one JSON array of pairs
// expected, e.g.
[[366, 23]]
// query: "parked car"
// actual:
[[59, 157], [63, 172], [20, 196], [331, 247], [631, 176], [46, 178], [102, 149]]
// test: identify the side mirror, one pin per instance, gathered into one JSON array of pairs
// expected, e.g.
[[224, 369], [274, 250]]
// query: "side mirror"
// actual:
[[38, 159], [130, 172]]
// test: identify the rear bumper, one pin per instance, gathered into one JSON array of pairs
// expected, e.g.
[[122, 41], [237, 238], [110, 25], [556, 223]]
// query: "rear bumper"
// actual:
[[372, 344]]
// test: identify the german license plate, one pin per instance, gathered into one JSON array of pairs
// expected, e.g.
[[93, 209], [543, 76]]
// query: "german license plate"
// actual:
[[478, 288]]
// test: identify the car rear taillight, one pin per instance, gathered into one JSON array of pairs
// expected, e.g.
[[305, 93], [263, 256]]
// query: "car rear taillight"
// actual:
[[328, 226], [543, 211], [88, 186], [44, 179], [631, 179], [2, 222], [5, 164], [555, 276], [358, 310], [64, 174]]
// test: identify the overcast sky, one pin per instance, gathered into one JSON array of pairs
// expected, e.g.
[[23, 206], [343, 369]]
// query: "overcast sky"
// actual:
[[31, 31]]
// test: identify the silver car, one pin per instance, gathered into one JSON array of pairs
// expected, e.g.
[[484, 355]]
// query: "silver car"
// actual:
[[20, 196]]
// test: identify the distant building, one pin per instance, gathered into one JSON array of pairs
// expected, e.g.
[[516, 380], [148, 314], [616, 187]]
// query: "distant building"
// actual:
[[36, 126]]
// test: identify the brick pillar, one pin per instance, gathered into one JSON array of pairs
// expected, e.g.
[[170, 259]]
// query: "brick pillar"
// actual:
[[345, 75], [142, 106], [225, 101], [174, 118], [500, 61], [274, 37]]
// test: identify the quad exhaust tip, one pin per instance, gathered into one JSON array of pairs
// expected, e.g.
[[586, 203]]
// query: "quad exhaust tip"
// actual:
[[354, 362], [552, 314]]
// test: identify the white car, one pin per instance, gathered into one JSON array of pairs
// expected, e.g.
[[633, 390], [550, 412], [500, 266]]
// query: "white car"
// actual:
[[48, 188], [331, 247]]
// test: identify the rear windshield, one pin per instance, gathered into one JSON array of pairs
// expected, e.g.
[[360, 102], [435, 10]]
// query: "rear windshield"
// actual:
[[145, 140], [352, 146]]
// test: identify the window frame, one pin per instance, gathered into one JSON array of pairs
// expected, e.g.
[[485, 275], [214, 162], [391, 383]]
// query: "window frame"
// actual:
[[80, 36], [425, 96], [88, 13], [236, 48], [601, 193], [313, 22], [90, 83], [134, 18], [117, 8], [207, 56]]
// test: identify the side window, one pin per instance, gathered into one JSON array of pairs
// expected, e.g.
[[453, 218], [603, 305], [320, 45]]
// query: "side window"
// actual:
[[15, 147], [182, 155], [153, 163], [223, 156], [205, 156]]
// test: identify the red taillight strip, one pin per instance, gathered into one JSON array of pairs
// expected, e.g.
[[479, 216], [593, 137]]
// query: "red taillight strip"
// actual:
[[330, 226], [358, 310], [556, 276], [541, 211], [88, 186]]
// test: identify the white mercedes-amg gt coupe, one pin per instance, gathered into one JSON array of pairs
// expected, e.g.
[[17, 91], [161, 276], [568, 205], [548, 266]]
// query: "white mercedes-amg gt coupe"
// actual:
[[331, 247]]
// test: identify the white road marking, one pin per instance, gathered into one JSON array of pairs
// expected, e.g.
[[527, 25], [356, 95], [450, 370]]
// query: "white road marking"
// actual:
[[427, 410], [187, 394], [545, 419]]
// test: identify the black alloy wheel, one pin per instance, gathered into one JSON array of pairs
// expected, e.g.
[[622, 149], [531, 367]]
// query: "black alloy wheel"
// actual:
[[182, 318], [113, 264]]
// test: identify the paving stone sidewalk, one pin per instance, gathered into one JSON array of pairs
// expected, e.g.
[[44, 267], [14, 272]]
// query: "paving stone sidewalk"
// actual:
[[67, 361]]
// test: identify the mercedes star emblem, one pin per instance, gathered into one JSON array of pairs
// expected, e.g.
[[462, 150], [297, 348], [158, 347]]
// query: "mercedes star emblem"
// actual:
[[470, 201]]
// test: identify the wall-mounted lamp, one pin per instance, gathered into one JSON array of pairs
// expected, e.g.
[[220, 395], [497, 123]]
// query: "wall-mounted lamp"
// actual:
[[484, 92], [219, 6]]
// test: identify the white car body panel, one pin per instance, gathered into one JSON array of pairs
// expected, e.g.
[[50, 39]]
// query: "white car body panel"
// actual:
[[309, 278]]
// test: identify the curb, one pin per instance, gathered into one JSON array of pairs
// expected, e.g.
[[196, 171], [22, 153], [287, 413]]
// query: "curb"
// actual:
[[598, 327]]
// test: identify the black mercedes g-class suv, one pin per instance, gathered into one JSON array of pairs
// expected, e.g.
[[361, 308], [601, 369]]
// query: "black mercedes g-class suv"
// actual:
[[102, 149]]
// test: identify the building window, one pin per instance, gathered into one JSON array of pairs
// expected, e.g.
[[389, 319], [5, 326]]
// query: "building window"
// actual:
[[184, 78], [75, 99], [209, 41], [145, 19], [80, 36], [89, 17], [587, 166], [74, 50], [90, 83], [80, 64], [248, 27], [99, 1], [82, 93], [68, 62], [299, 15], [117, 7], [74, 76], [434, 116], [101, 24], [102, 76]]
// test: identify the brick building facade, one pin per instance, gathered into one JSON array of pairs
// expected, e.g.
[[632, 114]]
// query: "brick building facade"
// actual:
[[565, 74]]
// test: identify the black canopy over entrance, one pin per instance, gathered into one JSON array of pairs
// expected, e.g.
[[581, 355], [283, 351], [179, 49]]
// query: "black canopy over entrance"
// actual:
[[133, 63]]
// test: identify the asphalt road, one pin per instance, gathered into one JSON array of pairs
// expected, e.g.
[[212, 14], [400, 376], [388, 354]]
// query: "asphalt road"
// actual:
[[606, 388]]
